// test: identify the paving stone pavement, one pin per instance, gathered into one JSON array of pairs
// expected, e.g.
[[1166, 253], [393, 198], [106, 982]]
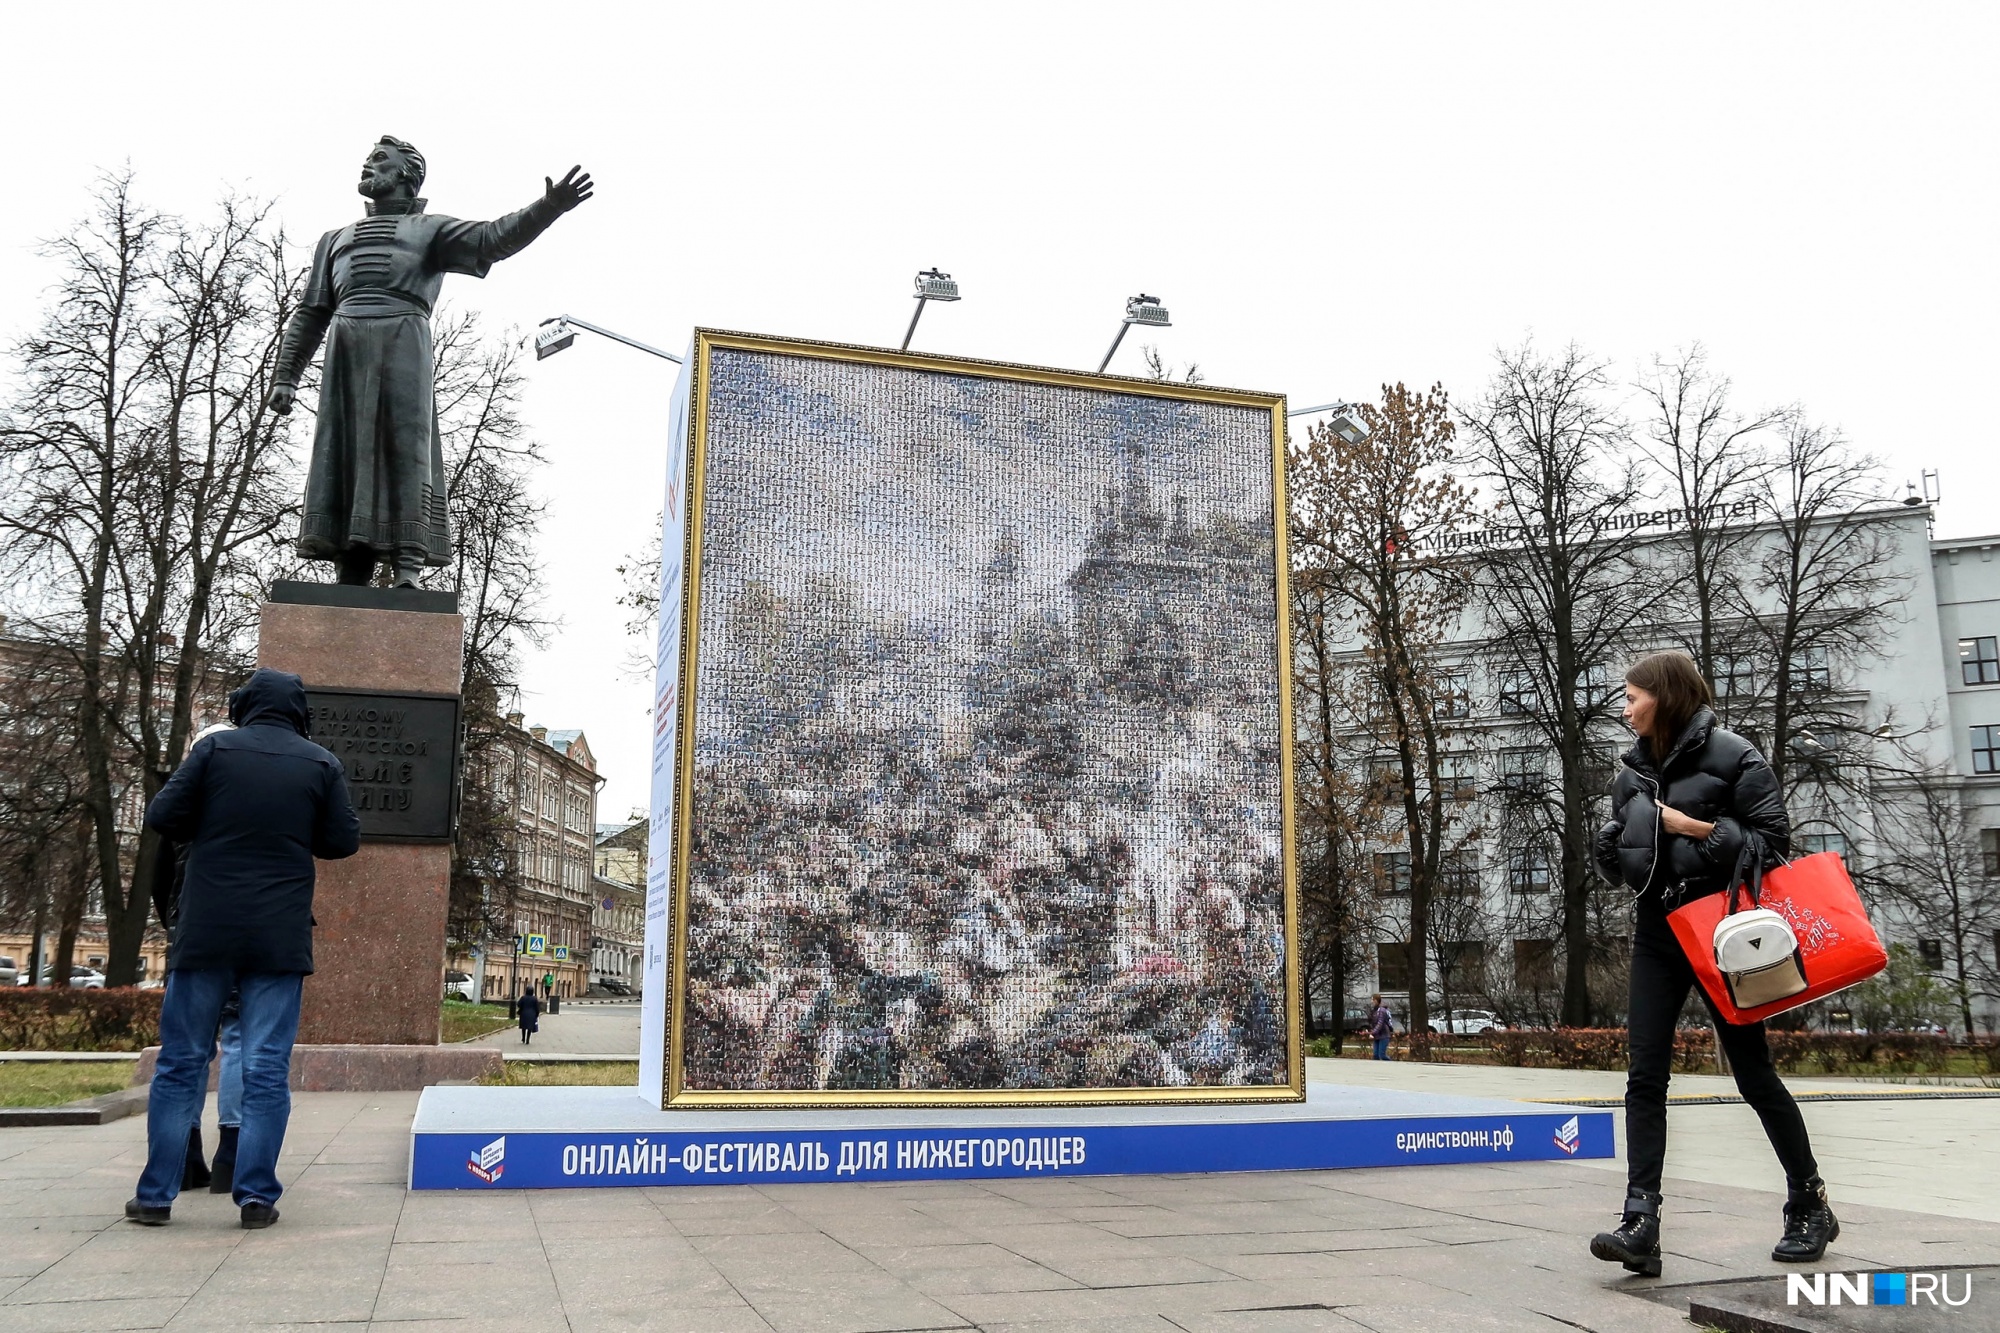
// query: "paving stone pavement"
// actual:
[[1469, 1249]]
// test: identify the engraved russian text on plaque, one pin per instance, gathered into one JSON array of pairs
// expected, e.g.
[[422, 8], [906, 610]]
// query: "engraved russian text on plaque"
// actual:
[[401, 756]]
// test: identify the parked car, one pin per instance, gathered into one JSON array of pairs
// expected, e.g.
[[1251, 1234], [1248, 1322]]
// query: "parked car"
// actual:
[[459, 984], [613, 985], [1468, 1022], [10, 972], [1356, 1022], [85, 978]]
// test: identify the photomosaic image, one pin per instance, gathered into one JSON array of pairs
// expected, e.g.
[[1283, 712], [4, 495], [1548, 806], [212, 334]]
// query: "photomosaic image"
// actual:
[[987, 738]]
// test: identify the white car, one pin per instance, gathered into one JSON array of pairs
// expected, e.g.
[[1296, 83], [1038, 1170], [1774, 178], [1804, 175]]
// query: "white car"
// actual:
[[459, 984], [1469, 1022], [85, 978]]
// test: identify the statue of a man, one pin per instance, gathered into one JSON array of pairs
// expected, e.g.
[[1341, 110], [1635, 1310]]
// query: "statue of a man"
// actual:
[[375, 491]]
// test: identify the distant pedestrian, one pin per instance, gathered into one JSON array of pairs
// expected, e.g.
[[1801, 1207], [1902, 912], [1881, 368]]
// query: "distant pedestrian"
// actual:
[[256, 807], [1380, 1026], [530, 1012]]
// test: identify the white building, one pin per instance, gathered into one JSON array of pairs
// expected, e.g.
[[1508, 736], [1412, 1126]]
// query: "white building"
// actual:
[[1930, 682]]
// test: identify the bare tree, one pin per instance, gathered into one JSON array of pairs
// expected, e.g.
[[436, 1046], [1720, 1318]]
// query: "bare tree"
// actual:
[[1559, 596], [1934, 869], [1712, 458], [1370, 513], [490, 461], [142, 481]]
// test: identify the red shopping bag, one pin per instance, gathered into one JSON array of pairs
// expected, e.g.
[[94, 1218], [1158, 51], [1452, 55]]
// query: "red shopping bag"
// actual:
[[1837, 944]]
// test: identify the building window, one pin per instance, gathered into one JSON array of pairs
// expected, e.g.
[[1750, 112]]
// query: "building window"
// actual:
[[1453, 698], [1524, 770], [1735, 676], [1535, 964], [1805, 844], [1528, 869], [1458, 874], [1392, 872], [1932, 953], [1519, 694], [1462, 965], [1986, 749], [1458, 774], [1979, 660], [1392, 967], [1811, 670], [1385, 778], [1989, 851]]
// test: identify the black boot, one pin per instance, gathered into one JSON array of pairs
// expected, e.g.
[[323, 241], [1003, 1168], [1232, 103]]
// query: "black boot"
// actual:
[[194, 1173], [1636, 1242], [1810, 1225], [223, 1169]]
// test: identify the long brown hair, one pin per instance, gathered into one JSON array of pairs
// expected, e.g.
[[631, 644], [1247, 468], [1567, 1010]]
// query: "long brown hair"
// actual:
[[1678, 691]]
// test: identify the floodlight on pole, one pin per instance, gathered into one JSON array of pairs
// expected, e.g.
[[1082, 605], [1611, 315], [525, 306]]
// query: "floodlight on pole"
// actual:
[[932, 285], [1346, 423], [557, 333], [1140, 309]]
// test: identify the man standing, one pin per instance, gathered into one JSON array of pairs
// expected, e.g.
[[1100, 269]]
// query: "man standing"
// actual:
[[255, 806], [1380, 1026], [375, 491]]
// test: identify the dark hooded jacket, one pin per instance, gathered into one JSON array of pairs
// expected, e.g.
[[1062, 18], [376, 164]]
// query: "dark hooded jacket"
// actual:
[[254, 806], [1709, 774]]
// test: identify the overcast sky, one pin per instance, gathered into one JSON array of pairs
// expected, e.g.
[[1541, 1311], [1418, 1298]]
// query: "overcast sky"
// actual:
[[1326, 196]]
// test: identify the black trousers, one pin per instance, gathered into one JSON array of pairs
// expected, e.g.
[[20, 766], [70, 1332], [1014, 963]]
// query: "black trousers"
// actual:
[[1661, 977]]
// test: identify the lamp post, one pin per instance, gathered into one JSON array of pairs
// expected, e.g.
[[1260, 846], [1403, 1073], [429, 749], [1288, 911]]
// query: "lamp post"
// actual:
[[1347, 424], [932, 285], [1140, 309], [559, 332]]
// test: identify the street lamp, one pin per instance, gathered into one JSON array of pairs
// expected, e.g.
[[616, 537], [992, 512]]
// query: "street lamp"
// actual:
[[932, 285], [1140, 309], [1346, 423], [558, 333]]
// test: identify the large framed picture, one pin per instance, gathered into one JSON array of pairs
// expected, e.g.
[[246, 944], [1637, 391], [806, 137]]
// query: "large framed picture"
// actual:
[[972, 782]]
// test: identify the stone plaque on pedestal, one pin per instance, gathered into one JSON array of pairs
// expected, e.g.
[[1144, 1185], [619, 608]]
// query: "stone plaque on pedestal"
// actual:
[[381, 668]]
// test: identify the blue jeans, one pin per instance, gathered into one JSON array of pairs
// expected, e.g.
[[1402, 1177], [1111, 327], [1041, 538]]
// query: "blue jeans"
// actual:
[[188, 1018], [229, 1081], [1381, 1048]]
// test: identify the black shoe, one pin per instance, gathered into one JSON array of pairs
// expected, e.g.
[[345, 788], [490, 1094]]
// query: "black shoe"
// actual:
[[1636, 1242], [222, 1171], [1810, 1225], [194, 1173], [147, 1217], [257, 1216]]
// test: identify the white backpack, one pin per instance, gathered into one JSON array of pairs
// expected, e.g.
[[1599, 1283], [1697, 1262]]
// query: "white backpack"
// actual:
[[1756, 950]]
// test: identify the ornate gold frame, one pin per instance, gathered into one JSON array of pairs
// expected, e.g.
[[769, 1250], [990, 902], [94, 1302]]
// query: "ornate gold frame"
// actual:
[[705, 343]]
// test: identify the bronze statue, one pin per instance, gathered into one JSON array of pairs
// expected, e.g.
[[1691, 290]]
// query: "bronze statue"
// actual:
[[375, 491]]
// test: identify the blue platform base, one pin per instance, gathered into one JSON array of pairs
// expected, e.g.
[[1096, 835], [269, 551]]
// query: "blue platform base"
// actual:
[[565, 1138]]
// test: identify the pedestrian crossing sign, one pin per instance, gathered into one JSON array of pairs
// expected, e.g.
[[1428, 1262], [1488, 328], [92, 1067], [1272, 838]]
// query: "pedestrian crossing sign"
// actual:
[[562, 952], [538, 944]]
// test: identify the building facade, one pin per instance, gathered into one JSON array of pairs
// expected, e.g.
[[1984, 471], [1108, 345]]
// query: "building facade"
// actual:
[[1905, 723], [618, 914], [551, 778]]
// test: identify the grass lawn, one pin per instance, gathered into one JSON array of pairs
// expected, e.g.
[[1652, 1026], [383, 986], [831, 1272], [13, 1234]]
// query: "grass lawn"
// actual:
[[51, 1083], [598, 1073], [463, 1022]]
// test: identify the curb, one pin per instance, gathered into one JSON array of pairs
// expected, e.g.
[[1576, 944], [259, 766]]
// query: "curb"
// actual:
[[90, 1111]]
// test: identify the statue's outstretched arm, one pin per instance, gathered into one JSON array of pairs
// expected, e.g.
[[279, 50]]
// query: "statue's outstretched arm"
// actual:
[[475, 247]]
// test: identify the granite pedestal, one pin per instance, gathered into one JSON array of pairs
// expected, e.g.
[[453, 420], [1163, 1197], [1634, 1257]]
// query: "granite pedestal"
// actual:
[[379, 941]]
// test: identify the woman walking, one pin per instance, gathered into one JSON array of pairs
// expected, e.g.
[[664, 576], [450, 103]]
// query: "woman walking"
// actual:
[[1689, 798], [529, 1011]]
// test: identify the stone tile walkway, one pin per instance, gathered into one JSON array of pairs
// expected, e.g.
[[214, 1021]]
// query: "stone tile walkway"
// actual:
[[1474, 1249]]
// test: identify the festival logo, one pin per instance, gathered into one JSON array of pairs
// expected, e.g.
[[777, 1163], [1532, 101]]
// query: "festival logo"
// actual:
[[1568, 1137], [487, 1163]]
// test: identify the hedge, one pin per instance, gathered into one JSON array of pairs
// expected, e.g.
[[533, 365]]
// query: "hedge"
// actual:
[[124, 1019], [1694, 1050]]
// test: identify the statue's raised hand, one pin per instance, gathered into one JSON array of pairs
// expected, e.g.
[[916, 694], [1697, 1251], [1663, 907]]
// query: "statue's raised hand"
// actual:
[[570, 191]]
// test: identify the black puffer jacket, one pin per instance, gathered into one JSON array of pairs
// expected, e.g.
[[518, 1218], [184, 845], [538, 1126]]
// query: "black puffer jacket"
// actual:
[[256, 806], [1710, 774]]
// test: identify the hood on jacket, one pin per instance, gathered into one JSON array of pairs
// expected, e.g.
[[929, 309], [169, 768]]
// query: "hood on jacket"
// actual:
[[1693, 736], [271, 699]]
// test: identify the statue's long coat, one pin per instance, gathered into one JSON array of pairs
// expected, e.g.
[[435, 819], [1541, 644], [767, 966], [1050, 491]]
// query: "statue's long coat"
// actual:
[[377, 476]]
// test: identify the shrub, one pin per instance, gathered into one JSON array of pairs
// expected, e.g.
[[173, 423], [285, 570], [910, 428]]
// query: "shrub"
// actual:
[[124, 1019]]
